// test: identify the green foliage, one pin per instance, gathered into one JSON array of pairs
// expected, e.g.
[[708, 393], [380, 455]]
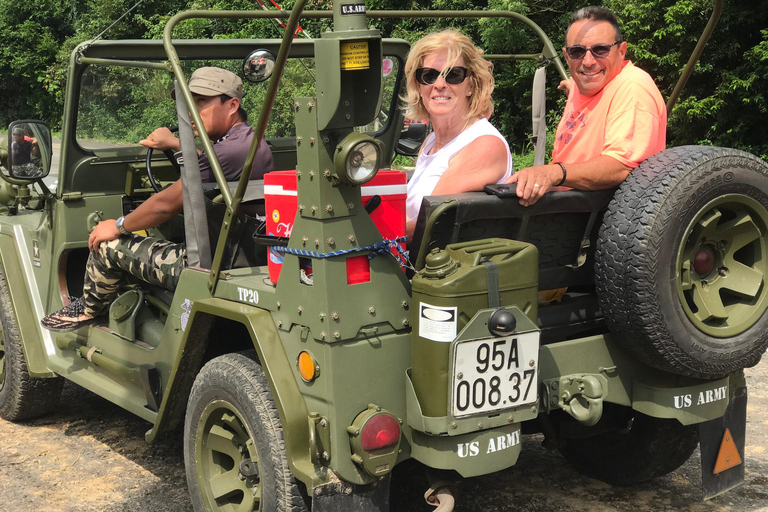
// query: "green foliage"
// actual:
[[724, 102]]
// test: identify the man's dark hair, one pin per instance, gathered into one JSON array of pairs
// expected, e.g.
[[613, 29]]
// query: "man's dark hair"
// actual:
[[596, 13], [240, 111]]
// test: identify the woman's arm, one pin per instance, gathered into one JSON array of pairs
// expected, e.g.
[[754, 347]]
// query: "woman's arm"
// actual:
[[481, 162]]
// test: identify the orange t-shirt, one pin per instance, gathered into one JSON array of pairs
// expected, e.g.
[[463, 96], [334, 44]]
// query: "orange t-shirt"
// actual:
[[627, 121]]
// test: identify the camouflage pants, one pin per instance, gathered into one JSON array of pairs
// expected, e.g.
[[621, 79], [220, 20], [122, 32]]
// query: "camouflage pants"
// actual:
[[152, 260]]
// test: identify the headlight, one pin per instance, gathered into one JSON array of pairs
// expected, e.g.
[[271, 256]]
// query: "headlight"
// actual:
[[357, 159]]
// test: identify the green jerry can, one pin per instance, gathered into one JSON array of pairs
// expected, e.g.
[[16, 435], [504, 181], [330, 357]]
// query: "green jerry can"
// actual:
[[453, 286]]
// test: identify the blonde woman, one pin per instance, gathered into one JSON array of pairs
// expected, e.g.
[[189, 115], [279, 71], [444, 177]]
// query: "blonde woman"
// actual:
[[450, 83]]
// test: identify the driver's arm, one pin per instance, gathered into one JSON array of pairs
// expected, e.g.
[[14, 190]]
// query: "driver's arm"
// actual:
[[161, 139], [159, 208]]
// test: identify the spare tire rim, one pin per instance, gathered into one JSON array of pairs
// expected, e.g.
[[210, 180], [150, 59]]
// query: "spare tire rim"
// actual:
[[722, 266], [227, 461]]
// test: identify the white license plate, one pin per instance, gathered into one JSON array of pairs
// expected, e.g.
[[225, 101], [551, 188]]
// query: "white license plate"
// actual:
[[495, 373]]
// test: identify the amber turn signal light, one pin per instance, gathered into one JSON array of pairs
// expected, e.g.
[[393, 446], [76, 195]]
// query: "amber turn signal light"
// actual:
[[308, 369]]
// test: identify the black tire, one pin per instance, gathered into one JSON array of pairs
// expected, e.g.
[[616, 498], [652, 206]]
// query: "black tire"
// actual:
[[630, 447], [22, 397], [682, 261], [231, 420]]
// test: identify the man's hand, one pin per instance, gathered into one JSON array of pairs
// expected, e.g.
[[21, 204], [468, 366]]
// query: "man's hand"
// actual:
[[161, 139], [534, 182], [566, 85], [103, 232]]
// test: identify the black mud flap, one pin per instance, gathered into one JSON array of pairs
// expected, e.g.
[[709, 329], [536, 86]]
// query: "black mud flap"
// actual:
[[346, 497], [727, 472]]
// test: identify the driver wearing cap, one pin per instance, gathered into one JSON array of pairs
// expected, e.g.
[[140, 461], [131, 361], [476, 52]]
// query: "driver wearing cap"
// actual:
[[116, 251]]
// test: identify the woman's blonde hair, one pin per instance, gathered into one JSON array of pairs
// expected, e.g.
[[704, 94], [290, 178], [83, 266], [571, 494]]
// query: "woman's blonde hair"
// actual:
[[458, 45]]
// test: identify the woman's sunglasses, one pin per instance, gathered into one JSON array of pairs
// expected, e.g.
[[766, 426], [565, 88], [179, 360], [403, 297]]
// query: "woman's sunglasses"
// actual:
[[599, 51], [454, 75]]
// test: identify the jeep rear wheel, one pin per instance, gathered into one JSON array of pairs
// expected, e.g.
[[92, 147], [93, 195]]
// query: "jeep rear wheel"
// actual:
[[234, 450], [628, 447], [682, 261], [22, 396]]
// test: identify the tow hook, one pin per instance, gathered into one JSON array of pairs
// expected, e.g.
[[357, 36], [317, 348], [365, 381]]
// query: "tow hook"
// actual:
[[581, 396]]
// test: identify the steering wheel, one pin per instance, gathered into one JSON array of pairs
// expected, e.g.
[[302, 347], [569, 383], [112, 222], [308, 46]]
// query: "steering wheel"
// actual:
[[169, 154]]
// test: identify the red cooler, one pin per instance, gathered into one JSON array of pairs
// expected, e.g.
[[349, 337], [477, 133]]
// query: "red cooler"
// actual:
[[281, 203]]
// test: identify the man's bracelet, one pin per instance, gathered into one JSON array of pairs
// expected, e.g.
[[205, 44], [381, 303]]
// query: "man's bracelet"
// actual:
[[565, 173]]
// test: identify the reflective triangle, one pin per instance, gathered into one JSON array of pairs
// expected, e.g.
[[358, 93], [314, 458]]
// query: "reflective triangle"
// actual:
[[728, 456]]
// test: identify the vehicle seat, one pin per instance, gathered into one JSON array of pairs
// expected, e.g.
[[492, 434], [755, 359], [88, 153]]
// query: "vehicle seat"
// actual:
[[563, 225]]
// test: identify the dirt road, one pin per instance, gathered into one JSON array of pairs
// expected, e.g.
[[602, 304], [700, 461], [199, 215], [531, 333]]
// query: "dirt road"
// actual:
[[91, 456]]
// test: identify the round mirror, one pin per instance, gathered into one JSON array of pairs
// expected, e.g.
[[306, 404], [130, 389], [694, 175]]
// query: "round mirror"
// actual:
[[258, 66], [29, 149]]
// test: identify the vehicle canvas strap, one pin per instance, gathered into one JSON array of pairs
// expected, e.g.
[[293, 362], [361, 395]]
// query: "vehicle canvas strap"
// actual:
[[492, 282], [539, 115], [195, 219]]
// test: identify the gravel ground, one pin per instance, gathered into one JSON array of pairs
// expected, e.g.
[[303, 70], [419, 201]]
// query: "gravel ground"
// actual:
[[91, 456]]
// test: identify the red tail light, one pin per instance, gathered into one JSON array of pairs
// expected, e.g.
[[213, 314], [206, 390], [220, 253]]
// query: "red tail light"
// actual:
[[379, 432]]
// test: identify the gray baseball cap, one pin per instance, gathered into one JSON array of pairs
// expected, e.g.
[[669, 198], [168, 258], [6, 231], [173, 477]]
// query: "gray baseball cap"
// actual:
[[210, 81]]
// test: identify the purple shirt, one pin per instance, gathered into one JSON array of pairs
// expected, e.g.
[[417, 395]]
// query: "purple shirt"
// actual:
[[232, 150]]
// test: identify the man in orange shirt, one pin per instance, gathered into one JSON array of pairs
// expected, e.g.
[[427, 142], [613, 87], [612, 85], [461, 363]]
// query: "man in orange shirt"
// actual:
[[614, 118]]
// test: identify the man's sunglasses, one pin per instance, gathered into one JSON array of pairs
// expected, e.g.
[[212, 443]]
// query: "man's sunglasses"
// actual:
[[454, 75], [599, 51]]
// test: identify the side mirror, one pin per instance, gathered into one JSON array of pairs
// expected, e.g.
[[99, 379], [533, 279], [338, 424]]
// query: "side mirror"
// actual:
[[30, 150], [411, 139], [258, 66]]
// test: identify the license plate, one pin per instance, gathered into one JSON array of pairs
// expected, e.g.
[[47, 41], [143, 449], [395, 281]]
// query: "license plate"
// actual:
[[491, 374]]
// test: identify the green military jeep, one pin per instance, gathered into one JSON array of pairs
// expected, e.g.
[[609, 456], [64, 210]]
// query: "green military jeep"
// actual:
[[294, 396]]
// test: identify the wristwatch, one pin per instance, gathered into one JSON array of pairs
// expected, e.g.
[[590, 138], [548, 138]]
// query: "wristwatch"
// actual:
[[119, 225]]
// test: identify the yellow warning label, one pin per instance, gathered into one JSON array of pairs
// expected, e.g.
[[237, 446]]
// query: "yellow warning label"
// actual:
[[354, 55]]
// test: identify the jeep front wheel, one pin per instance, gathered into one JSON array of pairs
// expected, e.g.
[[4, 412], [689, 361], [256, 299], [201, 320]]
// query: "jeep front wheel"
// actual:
[[22, 396], [234, 450], [682, 261]]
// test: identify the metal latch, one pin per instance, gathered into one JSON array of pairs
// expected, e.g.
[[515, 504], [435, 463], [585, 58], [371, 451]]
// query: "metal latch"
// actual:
[[319, 438]]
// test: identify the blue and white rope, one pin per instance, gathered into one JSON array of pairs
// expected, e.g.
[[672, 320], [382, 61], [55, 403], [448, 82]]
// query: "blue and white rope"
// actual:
[[382, 247]]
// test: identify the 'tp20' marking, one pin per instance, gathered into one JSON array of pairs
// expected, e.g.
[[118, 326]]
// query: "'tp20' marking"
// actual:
[[246, 295]]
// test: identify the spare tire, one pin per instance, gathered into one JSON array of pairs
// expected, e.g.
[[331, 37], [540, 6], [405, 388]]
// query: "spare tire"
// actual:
[[682, 261]]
